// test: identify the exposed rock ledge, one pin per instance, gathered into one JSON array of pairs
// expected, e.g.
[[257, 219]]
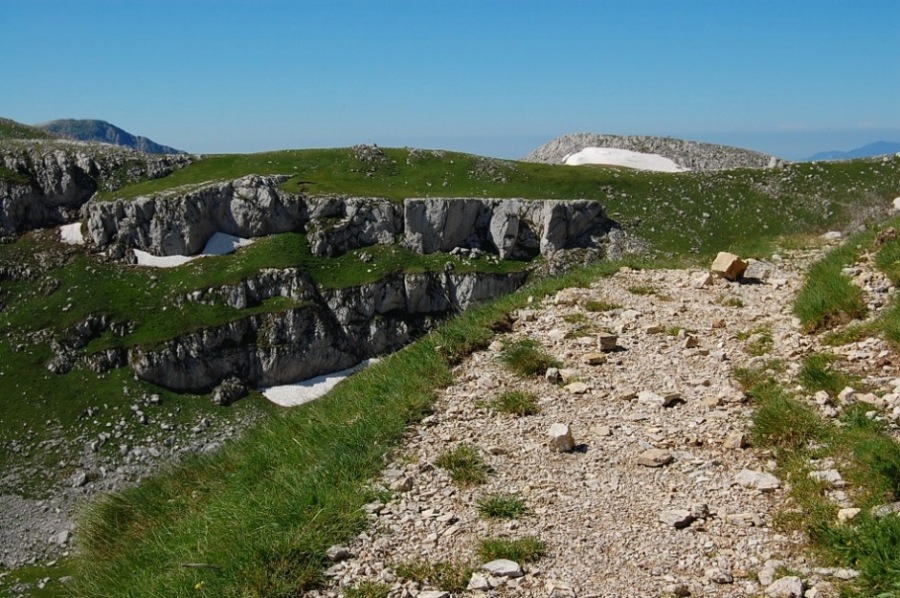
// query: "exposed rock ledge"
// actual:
[[330, 331], [180, 223]]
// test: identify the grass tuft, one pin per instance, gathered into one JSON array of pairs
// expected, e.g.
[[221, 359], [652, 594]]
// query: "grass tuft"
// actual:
[[526, 357], [502, 506], [516, 402], [600, 305], [818, 373], [444, 575], [464, 464], [521, 550]]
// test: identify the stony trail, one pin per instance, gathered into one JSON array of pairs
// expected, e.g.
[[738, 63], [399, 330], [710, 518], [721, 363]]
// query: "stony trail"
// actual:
[[614, 525]]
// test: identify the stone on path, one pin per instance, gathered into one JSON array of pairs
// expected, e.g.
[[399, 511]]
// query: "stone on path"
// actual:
[[677, 518], [503, 568], [561, 438], [434, 594], [594, 359], [759, 480], [845, 515], [654, 458], [607, 342], [735, 440], [786, 587], [718, 575], [728, 266], [577, 388], [479, 581], [338, 553]]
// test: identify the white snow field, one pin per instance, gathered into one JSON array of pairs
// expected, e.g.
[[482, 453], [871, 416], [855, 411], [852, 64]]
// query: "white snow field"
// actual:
[[298, 393], [71, 234], [622, 157], [218, 244]]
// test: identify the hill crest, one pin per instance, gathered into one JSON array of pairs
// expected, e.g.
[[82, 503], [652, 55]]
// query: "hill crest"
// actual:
[[694, 155]]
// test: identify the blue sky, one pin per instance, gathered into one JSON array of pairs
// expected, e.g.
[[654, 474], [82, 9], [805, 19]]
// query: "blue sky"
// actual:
[[491, 77]]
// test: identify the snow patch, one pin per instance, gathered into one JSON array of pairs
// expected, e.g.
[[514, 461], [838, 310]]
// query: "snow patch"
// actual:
[[218, 244], [622, 157], [71, 234], [298, 393]]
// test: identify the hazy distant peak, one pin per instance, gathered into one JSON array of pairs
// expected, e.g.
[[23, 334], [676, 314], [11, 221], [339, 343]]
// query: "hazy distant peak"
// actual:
[[104, 132], [878, 148]]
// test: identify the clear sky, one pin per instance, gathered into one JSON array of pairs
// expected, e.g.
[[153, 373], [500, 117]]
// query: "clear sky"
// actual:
[[493, 77]]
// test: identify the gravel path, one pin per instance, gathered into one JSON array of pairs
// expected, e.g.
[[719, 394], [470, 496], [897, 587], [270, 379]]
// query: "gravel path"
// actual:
[[699, 525]]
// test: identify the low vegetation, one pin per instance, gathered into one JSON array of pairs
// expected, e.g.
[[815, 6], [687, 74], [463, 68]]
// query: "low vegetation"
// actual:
[[516, 402], [520, 550], [526, 357], [465, 465], [443, 575], [501, 506]]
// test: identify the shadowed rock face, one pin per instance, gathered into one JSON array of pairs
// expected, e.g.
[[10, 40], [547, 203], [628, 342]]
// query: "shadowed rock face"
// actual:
[[336, 329]]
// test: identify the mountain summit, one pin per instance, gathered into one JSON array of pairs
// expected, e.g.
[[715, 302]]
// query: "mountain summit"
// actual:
[[99, 130]]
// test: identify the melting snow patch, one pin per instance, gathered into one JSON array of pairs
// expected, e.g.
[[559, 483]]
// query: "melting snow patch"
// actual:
[[218, 244], [622, 157], [71, 234], [291, 395]]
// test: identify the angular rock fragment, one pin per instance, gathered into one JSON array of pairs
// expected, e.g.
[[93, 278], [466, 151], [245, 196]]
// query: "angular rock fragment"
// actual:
[[654, 458], [561, 438], [728, 266]]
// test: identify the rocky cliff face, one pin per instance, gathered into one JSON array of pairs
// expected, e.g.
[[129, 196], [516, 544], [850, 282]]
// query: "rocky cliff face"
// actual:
[[689, 154], [330, 331], [43, 184], [181, 223]]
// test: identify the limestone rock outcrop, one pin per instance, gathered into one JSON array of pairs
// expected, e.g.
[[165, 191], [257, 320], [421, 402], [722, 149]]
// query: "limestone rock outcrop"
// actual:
[[53, 179], [329, 331]]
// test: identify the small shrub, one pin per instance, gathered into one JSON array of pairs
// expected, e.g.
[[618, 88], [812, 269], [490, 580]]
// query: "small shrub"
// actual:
[[521, 550], [502, 506], [516, 402], [444, 575], [527, 358], [600, 305], [464, 464]]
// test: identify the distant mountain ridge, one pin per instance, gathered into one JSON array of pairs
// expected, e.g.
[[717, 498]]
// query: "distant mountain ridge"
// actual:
[[102, 131], [694, 155], [879, 148]]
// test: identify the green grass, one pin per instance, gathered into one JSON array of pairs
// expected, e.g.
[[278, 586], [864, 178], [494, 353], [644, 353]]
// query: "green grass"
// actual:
[[521, 550], [501, 506], [10, 129], [642, 289], [443, 575], [526, 357], [828, 297], [368, 589], [820, 373], [599, 305], [465, 465], [868, 459], [515, 402]]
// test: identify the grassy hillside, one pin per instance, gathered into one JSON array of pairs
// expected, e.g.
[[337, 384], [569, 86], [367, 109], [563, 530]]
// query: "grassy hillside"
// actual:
[[298, 477], [679, 213], [10, 129]]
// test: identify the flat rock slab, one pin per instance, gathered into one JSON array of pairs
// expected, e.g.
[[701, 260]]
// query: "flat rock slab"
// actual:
[[758, 480], [655, 458], [503, 568]]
